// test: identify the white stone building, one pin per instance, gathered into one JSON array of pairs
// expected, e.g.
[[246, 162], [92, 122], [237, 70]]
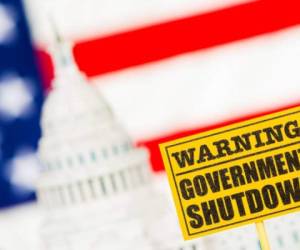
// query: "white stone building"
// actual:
[[96, 189]]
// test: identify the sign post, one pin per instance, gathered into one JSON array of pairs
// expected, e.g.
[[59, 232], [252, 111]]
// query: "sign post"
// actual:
[[263, 238], [238, 174]]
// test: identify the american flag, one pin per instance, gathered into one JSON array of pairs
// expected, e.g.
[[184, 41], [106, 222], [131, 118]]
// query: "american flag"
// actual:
[[174, 68], [21, 98], [188, 65]]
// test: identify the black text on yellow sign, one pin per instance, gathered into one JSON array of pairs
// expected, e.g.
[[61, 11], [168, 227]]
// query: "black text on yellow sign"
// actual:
[[235, 175]]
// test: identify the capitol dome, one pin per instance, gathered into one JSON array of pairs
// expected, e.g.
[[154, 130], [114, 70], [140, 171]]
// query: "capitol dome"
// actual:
[[83, 148], [73, 100]]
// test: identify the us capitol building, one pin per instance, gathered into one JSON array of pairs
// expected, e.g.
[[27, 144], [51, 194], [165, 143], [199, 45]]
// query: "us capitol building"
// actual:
[[96, 189]]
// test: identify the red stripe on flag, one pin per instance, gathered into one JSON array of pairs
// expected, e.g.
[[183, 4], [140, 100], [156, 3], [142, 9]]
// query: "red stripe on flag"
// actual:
[[164, 40], [153, 144], [189, 34], [45, 67]]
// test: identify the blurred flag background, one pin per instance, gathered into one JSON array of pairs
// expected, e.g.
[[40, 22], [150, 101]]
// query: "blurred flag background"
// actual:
[[167, 68], [170, 68]]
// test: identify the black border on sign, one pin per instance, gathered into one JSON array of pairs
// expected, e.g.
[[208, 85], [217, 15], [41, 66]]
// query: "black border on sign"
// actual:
[[221, 132]]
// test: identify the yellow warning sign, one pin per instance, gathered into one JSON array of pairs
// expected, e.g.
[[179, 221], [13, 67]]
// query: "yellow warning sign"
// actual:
[[235, 175]]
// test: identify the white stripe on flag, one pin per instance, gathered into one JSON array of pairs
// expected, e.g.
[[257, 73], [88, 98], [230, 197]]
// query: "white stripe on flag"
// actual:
[[208, 86]]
